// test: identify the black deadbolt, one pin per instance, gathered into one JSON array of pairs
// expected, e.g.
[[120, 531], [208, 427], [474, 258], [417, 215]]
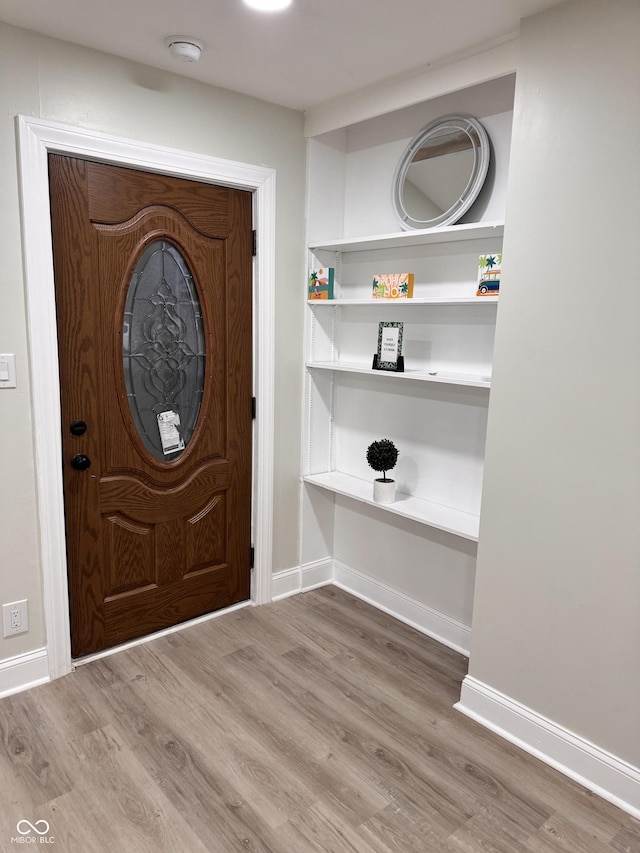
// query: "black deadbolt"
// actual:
[[77, 427], [81, 462]]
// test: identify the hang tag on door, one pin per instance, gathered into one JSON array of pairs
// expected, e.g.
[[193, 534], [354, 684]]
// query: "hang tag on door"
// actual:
[[168, 423]]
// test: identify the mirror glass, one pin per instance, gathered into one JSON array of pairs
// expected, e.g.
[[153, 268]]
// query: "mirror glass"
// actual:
[[441, 172]]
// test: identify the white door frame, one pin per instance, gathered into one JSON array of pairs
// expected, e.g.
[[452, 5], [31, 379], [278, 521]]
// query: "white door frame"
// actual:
[[36, 138]]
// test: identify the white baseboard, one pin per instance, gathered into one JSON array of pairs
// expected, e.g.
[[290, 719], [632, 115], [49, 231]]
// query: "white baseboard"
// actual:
[[301, 579], [445, 629], [606, 775], [23, 672]]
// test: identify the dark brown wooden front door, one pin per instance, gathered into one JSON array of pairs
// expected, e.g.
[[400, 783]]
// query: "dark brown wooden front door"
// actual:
[[153, 297]]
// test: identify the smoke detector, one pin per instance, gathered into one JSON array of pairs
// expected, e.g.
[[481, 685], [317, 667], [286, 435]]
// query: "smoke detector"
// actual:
[[184, 48]]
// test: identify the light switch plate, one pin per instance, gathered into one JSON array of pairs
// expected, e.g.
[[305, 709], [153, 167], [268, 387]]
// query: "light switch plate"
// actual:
[[7, 370]]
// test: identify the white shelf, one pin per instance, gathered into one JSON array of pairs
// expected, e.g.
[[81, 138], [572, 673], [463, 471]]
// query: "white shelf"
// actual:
[[401, 239], [426, 300], [468, 380], [454, 521]]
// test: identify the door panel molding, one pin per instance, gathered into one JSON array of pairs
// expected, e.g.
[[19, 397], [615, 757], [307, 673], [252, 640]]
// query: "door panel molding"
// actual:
[[36, 139]]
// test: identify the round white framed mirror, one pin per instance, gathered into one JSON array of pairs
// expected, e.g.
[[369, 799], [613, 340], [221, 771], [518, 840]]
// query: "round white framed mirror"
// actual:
[[441, 172]]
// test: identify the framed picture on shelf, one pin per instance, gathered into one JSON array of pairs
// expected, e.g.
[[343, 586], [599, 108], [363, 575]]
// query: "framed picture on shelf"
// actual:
[[389, 353]]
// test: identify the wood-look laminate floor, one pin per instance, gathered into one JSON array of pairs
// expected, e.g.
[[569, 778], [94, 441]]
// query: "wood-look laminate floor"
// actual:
[[313, 724]]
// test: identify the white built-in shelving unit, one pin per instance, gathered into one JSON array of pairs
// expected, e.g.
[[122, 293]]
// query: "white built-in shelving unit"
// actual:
[[448, 342], [416, 556]]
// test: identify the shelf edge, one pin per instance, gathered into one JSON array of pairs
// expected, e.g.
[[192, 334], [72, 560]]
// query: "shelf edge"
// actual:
[[414, 376], [447, 234], [427, 300], [395, 508]]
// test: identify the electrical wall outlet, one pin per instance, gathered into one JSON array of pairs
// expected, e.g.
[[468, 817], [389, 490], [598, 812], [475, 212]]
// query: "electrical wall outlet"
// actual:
[[15, 618]]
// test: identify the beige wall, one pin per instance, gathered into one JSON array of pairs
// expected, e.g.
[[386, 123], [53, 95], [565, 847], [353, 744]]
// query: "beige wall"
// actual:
[[556, 622], [61, 82]]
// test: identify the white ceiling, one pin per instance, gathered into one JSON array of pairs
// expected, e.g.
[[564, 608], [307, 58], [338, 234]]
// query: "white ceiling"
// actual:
[[315, 51]]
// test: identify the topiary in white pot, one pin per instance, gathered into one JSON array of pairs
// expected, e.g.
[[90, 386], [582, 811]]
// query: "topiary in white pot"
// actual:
[[382, 456]]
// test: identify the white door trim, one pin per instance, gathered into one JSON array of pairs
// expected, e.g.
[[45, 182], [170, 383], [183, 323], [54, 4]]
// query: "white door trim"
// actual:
[[36, 138]]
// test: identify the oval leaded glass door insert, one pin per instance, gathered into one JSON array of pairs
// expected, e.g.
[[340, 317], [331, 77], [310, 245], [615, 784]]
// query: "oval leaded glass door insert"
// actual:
[[163, 346]]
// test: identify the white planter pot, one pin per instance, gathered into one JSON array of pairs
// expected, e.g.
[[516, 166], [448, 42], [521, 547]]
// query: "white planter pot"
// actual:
[[384, 491]]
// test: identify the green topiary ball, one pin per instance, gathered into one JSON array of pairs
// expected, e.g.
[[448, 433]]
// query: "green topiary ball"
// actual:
[[382, 455]]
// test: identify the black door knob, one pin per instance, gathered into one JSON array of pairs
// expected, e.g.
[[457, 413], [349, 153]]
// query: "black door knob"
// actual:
[[77, 427], [80, 462]]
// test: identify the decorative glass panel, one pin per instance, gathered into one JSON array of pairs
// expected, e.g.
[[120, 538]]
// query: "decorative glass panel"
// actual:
[[163, 346]]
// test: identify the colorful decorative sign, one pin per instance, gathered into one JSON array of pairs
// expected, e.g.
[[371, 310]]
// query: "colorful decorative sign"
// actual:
[[321, 283], [393, 285], [489, 272]]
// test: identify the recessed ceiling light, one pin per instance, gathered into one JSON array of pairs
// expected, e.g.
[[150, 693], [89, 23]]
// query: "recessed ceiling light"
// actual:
[[268, 5]]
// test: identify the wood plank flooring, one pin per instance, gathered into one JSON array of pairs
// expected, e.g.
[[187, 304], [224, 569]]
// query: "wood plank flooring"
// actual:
[[312, 725]]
